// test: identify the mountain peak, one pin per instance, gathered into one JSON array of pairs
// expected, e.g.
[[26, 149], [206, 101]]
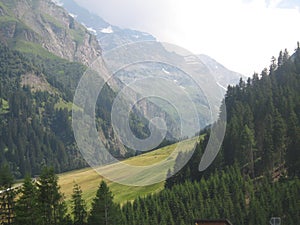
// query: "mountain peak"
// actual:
[[109, 36]]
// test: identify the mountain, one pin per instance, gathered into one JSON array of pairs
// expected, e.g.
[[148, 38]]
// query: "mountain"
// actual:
[[56, 50], [35, 130], [121, 46], [109, 36], [263, 135], [223, 75], [32, 26], [44, 53], [254, 177]]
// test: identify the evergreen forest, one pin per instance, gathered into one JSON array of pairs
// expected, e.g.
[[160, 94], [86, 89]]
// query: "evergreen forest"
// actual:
[[254, 177]]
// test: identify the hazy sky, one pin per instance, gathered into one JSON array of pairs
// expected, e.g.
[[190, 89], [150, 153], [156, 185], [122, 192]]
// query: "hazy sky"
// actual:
[[241, 34]]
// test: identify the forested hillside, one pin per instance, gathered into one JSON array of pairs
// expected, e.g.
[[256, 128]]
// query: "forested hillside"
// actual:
[[44, 54], [263, 128], [37, 85], [35, 126], [225, 194], [36, 96], [254, 177]]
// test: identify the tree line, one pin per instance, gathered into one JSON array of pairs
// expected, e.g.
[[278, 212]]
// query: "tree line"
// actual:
[[263, 130], [263, 126], [224, 194], [261, 141], [40, 202], [254, 177]]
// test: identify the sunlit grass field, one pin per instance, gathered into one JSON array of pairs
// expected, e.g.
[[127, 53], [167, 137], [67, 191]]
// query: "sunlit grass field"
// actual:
[[89, 179]]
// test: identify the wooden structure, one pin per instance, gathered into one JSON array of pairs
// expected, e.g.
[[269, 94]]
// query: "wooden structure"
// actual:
[[212, 222], [7, 202]]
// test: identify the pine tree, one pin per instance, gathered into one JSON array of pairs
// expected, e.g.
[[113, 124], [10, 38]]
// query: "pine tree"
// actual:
[[293, 150], [79, 206], [51, 203], [279, 136], [273, 65], [26, 209], [247, 149], [286, 56], [169, 182], [104, 210], [280, 59]]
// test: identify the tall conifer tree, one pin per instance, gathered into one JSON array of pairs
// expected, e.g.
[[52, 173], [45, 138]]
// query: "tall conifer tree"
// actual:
[[104, 210]]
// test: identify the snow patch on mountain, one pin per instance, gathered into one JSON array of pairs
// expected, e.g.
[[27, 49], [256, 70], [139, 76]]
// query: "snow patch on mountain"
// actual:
[[221, 86], [93, 31], [146, 34], [90, 29], [108, 30], [58, 2], [191, 59], [165, 71], [73, 15]]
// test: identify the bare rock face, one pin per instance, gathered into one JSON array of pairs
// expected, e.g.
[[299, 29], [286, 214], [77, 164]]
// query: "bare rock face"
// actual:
[[36, 82], [1, 11], [45, 23]]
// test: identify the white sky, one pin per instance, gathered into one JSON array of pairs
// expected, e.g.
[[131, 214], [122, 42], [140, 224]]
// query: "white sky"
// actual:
[[241, 34]]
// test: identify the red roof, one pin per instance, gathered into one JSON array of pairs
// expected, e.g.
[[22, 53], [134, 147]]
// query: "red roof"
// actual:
[[213, 222]]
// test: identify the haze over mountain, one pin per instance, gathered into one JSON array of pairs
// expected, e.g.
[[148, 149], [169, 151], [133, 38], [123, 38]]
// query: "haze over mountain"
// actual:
[[57, 49], [109, 36], [225, 30], [112, 37], [251, 170], [222, 75], [45, 52]]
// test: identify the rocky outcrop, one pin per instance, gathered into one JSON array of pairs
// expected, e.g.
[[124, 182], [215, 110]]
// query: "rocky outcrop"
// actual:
[[44, 23], [1, 11], [36, 82]]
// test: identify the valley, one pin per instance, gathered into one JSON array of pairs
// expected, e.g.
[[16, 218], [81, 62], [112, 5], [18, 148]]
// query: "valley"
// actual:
[[89, 179], [179, 137]]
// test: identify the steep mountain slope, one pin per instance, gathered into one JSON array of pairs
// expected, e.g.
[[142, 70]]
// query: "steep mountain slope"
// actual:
[[37, 85], [222, 75], [49, 38], [111, 36], [30, 133], [34, 25], [121, 46]]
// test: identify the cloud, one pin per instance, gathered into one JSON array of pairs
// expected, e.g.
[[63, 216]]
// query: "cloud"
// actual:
[[292, 4], [241, 34], [128, 13]]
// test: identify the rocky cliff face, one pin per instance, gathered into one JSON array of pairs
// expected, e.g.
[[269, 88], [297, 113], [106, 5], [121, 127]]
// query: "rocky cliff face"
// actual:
[[44, 23]]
